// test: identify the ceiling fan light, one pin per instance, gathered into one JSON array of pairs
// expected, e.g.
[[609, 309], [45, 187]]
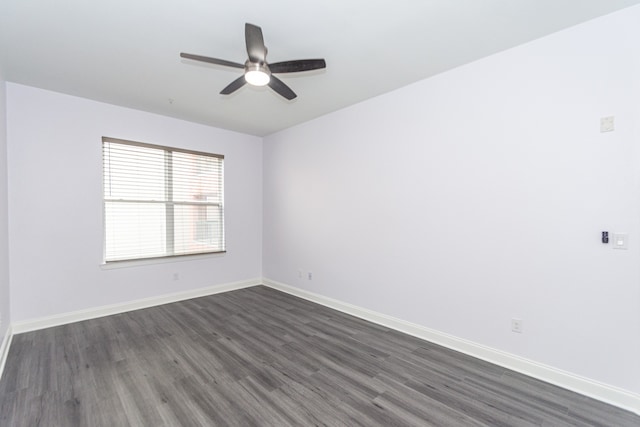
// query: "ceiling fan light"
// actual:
[[257, 77]]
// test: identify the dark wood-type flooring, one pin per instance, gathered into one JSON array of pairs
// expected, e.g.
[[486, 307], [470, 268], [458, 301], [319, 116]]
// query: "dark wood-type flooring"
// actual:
[[259, 357]]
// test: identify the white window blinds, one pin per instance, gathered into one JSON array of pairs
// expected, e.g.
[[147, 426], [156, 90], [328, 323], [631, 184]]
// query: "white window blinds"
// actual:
[[160, 201]]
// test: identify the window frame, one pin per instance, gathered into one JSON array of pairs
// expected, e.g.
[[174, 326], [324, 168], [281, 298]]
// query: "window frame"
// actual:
[[169, 204]]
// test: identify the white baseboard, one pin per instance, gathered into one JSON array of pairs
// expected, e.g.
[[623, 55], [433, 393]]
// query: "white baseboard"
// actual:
[[606, 393], [4, 348], [603, 392], [107, 310]]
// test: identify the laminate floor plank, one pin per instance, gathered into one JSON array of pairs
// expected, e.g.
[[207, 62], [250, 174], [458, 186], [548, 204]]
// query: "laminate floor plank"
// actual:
[[360, 398], [526, 401], [457, 362], [273, 402], [478, 403], [400, 399], [387, 341], [259, 357]]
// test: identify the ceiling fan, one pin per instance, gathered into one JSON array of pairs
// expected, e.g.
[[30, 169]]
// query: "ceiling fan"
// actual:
[[257, 71]]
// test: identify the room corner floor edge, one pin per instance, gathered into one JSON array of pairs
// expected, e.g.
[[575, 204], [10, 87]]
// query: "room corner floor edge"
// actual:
[[605, 393]]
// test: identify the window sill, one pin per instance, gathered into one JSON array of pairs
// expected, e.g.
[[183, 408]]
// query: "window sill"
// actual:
[[153, 261]]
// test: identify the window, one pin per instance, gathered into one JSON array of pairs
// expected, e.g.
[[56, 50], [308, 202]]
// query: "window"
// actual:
[[160, 201]]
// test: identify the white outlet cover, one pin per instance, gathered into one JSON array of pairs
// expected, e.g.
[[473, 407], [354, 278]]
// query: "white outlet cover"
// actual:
[[607, 124], [620, 240]]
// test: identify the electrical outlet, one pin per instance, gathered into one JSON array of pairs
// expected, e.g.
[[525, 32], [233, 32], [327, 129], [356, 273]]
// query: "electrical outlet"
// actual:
[[516, 325], [176, 276], [310, 275], [620, 240]]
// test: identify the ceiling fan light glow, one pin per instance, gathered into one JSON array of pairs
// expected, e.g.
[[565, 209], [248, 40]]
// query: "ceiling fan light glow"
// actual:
[[257, 74], [257, 78]]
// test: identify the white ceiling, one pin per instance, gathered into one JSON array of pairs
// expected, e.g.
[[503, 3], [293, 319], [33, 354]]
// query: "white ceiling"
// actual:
[[126, 52]]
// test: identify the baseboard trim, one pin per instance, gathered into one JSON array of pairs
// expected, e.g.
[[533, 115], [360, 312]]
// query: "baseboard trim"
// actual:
[[108, 310], [4, 348], [606, 393]]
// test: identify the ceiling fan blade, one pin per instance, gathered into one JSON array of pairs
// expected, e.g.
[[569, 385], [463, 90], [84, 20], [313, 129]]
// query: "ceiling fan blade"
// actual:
[[234, 86], [298, 65], [211, 60], [282, 89], [255, 43]]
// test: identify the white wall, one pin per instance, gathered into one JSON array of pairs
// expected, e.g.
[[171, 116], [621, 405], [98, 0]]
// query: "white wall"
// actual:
[[5, 317], [55, 204], [478, 196]]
